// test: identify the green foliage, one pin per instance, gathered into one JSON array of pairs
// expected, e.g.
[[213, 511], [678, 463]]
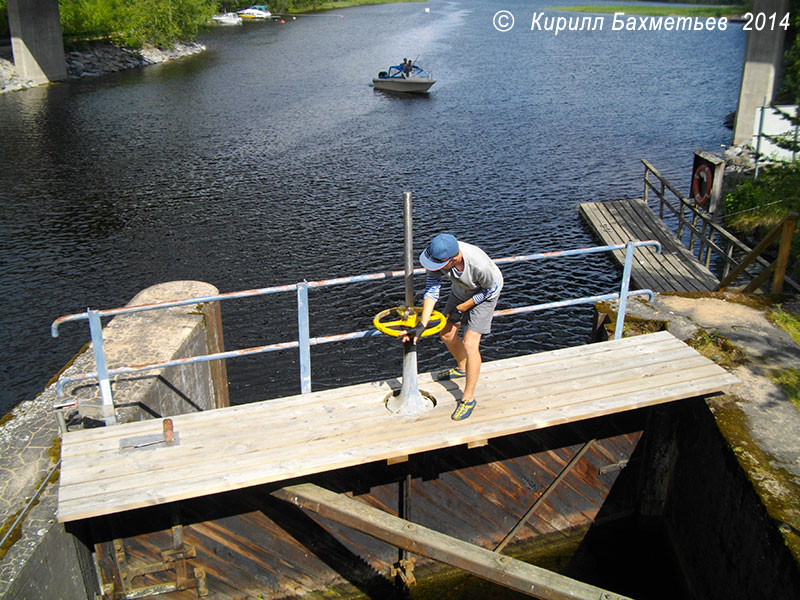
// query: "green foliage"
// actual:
[[135, 23], [755, 207], [791, 74], [770, 197], [789, 380], [88, 19], [789, 322]]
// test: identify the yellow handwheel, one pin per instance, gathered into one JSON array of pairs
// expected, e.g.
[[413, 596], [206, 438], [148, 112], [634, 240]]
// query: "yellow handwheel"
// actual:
[[406, 319]]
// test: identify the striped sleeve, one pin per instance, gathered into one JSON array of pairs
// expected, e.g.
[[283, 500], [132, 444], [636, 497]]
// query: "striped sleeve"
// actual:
[[433, 287], [485, 294]]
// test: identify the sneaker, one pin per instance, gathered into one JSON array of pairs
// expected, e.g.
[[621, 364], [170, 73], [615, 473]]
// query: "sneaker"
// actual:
[[451, 373], [463, 410]]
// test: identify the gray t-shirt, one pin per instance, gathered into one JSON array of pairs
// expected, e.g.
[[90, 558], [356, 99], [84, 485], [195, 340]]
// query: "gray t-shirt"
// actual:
[[481, 279]]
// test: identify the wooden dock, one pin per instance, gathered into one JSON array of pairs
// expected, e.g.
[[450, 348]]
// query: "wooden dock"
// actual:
[[232, 448], [675, 269]]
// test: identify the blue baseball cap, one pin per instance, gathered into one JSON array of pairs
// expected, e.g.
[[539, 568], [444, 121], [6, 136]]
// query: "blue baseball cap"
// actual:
[[442, 249]]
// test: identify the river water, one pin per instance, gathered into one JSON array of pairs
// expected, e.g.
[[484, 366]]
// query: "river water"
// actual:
[[270, 159]]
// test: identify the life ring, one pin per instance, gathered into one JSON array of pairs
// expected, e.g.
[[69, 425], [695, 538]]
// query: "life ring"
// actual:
[[701, 185]]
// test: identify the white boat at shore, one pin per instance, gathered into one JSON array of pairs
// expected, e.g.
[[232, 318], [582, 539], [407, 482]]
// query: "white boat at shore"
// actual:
[[228, 18], [257, 11], [409, 79]]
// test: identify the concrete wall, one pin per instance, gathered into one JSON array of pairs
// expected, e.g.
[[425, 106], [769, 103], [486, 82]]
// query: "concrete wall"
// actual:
[[44, 561], [36, 40], [727, 544], [762, 64], [151, 337]]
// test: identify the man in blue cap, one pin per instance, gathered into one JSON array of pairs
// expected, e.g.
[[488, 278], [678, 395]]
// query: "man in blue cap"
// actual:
[[475, 285]]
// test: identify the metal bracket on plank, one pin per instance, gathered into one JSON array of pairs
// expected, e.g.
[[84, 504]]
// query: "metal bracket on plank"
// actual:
[[168, 437]]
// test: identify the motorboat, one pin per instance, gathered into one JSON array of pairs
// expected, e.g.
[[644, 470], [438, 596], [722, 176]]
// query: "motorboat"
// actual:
[[410, 79], [257, 11], [228, 18]]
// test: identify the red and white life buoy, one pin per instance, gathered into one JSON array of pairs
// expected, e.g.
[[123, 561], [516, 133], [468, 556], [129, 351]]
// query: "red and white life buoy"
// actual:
[[701, 185]]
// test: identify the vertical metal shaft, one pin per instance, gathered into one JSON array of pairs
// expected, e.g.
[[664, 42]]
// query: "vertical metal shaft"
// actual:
[[410, 401], [760, 133], [409, 249]]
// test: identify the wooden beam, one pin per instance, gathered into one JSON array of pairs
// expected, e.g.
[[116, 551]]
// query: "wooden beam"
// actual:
[[503, 570], [784, 248]]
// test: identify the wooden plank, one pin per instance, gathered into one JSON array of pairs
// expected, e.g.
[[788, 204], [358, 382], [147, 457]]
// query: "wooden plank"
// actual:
[[322, 446], [270, 441], [675, 269], [643, 225], [678, 264], [283, 411], [131, 471], [607, 226], [504, 570], [681, 262], [568, 369], [552, 394], [647, 271]]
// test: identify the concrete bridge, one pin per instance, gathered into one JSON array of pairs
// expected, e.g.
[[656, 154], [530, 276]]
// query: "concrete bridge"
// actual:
[[36, 40]]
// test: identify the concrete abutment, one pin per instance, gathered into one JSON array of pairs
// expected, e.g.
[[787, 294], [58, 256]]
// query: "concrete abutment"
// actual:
[[41, 560]]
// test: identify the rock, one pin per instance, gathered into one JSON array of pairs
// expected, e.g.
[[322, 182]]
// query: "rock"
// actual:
[[101, 59]]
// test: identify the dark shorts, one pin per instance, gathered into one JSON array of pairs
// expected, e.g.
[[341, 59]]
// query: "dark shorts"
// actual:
[[478, 318]]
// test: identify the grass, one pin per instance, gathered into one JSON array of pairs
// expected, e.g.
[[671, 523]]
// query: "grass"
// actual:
[[789, 322], [657, 11], [788, 379], [718, 348]]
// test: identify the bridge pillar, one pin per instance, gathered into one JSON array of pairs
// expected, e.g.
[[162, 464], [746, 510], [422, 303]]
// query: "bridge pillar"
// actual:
[[762, 62], [36, 40]]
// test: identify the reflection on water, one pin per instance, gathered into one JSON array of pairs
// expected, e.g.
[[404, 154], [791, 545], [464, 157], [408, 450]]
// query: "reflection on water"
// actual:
[[270, 159]]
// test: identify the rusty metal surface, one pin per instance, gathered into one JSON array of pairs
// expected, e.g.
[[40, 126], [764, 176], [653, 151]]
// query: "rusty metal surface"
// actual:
[[248, 543]]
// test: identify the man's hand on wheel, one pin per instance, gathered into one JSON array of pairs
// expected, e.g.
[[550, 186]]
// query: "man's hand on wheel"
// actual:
[[414, 333]]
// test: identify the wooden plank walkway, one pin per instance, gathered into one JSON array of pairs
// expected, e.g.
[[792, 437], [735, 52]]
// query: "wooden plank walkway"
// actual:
[[674, 270], [276, 440]]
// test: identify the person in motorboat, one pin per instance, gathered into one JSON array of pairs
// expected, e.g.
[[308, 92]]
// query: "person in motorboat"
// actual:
[[475, 286], [406, 67]]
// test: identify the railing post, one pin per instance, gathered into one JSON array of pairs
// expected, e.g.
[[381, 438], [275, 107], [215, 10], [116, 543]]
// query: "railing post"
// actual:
[[709, 248], [758, 139], [303, 337], [646, 181], [408, 247], [623, 291], [783, 252], [96, 331], [726, 268]]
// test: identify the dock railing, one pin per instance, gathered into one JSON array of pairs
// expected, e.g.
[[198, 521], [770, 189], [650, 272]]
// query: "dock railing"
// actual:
[[304, 341], [706, 236]]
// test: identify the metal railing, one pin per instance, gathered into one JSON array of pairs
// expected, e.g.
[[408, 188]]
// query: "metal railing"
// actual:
[[703, 231], [304, 341]]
